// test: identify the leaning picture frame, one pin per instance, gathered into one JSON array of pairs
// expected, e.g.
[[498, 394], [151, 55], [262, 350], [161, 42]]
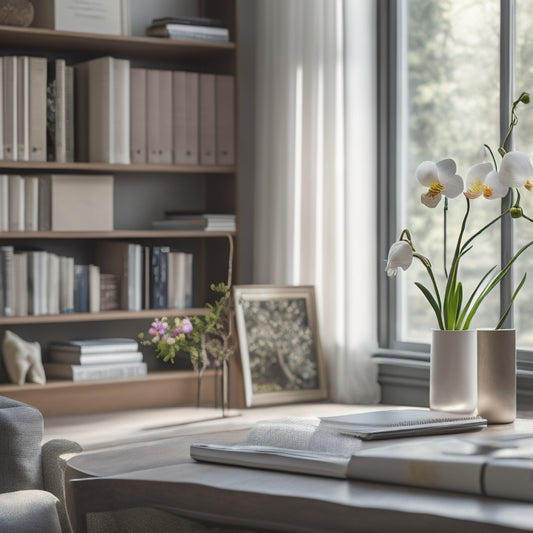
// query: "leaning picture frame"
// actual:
[[279, 342]]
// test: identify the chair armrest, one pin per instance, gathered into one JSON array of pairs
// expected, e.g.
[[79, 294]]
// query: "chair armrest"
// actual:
[[55, 454]]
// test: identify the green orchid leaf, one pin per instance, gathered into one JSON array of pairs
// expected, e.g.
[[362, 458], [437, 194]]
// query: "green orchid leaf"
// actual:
[[432, 302], [515, 294], [470, 300]]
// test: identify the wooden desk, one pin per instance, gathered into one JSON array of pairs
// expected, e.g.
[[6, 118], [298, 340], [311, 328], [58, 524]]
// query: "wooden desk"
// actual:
[[166, 478]]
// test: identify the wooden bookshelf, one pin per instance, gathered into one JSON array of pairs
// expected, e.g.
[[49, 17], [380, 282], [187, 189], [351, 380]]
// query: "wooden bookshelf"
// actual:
[[215, 187]]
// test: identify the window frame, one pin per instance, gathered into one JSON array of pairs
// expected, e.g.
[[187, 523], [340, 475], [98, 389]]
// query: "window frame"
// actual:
[[389, 35]]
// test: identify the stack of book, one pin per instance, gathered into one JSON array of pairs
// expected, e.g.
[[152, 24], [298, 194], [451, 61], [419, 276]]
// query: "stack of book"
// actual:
[[95, 359], [185, 28], [177, 220]]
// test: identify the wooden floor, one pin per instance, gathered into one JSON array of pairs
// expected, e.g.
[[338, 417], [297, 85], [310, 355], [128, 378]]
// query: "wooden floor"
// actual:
[[94, 431]]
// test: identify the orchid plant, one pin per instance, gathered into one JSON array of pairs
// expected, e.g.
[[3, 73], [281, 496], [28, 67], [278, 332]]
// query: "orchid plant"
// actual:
[[453, 309]]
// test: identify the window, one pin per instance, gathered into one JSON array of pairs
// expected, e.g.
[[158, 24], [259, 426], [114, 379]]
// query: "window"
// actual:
[[449, 70]]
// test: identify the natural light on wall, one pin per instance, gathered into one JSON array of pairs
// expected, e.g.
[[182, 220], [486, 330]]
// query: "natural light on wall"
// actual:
[[449, 108]]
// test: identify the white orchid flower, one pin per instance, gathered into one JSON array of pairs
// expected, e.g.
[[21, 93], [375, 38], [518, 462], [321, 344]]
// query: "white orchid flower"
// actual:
[[494, 188], [400, 256], [475, 180], [516, 170], [441, 179]]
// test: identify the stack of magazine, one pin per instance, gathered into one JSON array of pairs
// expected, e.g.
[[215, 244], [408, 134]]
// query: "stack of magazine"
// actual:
[[95, 359], [368, 447], [185, 28]]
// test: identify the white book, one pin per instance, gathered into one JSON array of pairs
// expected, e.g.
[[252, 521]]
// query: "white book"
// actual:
[[16, 203], [10, 108], [159, 116], [73, 358], [94, 346], [95, 372], [4, 202], [37, 283], [402, 423], [188, 296], [121, 111], [7, 291], [23, 108], [94, 289], [20, 283], [31, 203], [37, 103], [53, 284]]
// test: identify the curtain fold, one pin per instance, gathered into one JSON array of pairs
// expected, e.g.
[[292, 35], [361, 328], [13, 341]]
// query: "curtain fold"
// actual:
[[313, 222]]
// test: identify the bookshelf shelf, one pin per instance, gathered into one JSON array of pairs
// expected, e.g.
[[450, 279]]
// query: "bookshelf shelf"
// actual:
[[103, 316], [141, 193], [51, 166], [117, 234], [117, 45]]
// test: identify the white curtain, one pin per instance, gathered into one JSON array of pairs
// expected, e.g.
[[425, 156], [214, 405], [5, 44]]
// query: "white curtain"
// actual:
[[315, 173]]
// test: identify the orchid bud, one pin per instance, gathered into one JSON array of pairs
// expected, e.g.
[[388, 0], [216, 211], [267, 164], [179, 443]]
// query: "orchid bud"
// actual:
[[516, 212]]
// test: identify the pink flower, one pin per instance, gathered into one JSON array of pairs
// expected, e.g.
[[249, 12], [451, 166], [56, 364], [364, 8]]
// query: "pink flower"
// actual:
[[186, 326]]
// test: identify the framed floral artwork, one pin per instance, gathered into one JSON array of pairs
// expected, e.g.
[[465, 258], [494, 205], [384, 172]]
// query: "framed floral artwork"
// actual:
[[279, 344]]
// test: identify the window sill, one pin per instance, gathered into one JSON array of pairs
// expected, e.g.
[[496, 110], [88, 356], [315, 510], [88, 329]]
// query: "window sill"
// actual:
[[404, 379]]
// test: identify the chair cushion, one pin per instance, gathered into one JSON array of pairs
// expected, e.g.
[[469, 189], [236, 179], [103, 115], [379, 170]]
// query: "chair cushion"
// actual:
[[22, 359], [21, 431], [29, 511]]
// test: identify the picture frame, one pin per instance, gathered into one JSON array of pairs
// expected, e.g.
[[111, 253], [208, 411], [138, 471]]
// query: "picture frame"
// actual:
[[279, 342]]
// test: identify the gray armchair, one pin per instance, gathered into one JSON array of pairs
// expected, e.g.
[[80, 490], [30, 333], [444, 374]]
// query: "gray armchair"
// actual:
[[32, 489]]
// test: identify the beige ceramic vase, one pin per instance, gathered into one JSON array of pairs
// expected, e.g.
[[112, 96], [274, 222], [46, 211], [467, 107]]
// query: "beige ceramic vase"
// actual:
[[496, 352]]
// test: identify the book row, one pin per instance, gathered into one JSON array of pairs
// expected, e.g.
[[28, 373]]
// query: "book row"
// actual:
[[103, 110], [124, 276], [56, 203]]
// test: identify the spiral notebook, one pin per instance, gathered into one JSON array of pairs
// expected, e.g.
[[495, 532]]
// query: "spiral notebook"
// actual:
[[402, 423]]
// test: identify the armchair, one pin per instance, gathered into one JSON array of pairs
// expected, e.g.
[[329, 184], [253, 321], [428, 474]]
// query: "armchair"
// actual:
[[32, 492]]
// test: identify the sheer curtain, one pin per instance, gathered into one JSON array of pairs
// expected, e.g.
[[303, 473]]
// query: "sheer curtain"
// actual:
[[315, 173]]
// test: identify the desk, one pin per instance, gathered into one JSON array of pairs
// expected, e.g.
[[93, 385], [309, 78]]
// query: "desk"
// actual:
[[168, 479]]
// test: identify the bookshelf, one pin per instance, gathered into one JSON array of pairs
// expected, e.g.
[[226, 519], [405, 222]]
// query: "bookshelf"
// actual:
[[142, 192]]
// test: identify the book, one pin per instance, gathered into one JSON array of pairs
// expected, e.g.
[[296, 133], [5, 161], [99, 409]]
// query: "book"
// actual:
[[497, 466], [94, 289], [31, 203], [4, 202], [73, 358], [402, 423], [20, 283], [81, 288], [159, 116], [194, 21], [207, 119], [37, 102], [53, 283], [10, 92], [138, 119], [37, 282], [180, 280], [158, 277], [76, 202], [224, 123], [7, 293], [23, 108], [109, 292], [206, 221], [94, 346], [188, 32], [103, 110], [69, 114], [16, 203], [292, 444], [66, 284], [185, 117], [56, 111], [95, 372]]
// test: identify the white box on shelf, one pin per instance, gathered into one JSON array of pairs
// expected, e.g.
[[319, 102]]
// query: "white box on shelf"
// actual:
[[90, 16]]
